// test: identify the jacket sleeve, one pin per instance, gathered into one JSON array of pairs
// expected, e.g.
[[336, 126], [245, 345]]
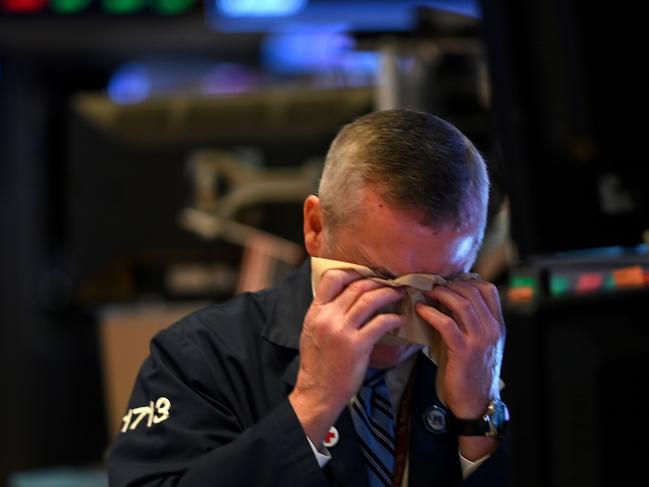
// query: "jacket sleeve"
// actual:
[[182, 429]]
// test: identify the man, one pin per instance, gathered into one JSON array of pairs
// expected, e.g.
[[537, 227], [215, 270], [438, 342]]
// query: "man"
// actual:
[[261, 390]]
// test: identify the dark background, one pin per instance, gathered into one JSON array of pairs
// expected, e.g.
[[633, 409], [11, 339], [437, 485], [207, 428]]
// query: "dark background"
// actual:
[[88, 215]]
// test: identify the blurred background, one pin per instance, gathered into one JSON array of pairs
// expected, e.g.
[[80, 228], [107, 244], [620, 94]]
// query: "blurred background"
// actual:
[[154, 156]]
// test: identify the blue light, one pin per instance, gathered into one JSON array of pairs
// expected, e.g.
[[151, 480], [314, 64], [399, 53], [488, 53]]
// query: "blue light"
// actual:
[[361, 68], [304, 51], [331, 54], [260, 8], [131, 83]]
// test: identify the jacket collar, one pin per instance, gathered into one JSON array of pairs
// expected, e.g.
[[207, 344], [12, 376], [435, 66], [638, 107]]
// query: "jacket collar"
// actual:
[[284, 324], [293, 297]]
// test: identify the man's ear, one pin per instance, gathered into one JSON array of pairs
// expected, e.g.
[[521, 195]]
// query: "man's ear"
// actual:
[[313, 226]]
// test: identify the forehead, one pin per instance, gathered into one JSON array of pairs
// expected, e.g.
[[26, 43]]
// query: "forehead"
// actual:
[[395, 242]]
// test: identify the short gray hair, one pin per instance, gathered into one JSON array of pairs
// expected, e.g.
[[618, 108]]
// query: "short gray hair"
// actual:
[[413, 160]]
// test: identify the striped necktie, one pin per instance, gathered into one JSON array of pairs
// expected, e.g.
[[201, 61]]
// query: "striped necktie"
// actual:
[[374, 422]]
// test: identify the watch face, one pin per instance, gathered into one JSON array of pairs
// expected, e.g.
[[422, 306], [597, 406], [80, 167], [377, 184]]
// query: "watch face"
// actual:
[[498, 417]]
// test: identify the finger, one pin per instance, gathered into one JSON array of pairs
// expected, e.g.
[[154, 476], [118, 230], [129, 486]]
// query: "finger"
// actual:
[[371, 302], [354, 292], [491, 297], [474, 296], [463, 311], [379, 326], [443, 323], [332, 283]]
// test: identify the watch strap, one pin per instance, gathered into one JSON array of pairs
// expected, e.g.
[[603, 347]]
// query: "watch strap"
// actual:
[[492, 424], [471, 427]]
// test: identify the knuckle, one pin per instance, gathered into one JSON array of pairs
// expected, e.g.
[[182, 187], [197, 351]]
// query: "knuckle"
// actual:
[[465, 306], [339, 338], [447, 322], [331, 275], [491, 290], [321, 321], [337, 275], [474, 293], [384, 319], [481, 283], [347, 322], [489, 287], [361, 344], [337, 334], [365, 300], [358, 286], [476, 345]]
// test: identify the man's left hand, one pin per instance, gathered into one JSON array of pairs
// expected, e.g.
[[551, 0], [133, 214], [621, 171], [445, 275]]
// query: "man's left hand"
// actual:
[[474, 334]]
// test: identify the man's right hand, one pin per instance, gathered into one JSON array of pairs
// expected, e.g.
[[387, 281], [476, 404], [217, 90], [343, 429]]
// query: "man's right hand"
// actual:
[[340, 330]]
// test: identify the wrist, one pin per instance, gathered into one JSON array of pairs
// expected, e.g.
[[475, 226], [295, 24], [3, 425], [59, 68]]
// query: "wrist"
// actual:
[[315, 418], [470, 411]]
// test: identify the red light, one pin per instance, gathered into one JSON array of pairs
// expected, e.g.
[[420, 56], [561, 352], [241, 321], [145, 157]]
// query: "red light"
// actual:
[[589, 281], [24, 5]]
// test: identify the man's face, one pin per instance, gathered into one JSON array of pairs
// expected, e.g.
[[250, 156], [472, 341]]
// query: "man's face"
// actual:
[[393, 243]]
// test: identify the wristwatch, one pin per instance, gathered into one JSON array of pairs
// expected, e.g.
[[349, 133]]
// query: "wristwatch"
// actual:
[[492, 424]]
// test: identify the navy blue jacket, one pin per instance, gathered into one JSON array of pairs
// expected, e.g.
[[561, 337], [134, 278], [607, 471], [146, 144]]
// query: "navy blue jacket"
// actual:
[[210, 407]]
